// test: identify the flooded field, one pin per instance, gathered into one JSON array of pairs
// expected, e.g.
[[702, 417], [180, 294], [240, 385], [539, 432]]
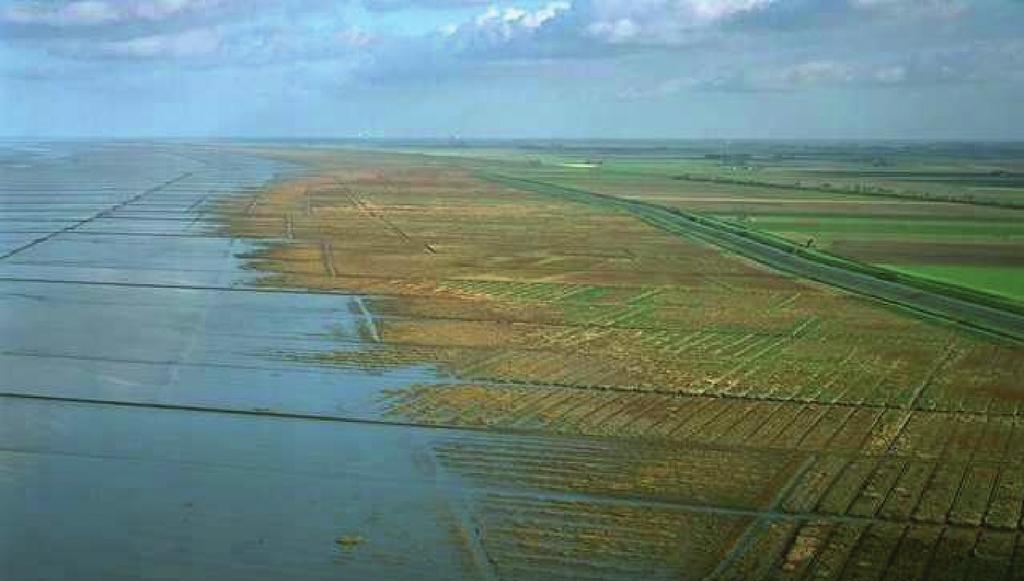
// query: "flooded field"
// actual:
[[234, 363], [117, 290]]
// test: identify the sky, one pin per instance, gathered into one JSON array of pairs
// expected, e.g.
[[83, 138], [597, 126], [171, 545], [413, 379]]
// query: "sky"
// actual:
[[685, 69]]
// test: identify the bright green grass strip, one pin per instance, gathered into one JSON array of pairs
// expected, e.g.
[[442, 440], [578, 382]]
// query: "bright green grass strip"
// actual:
[[1003, 281], [870, 226]]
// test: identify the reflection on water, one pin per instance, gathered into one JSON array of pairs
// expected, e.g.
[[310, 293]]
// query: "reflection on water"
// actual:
[[104, 308], [116, 284]]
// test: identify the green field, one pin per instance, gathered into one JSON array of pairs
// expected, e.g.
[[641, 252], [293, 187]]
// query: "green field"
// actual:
[[948, 213], [828, 228], [1006, 282]]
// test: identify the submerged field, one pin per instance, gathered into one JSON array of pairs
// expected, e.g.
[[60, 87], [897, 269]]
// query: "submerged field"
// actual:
[[690, 413]]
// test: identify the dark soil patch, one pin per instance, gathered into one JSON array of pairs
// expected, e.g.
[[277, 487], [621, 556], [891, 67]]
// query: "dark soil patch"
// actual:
[[889, 252]]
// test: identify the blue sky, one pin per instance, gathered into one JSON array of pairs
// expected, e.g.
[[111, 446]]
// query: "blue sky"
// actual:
[[858, 69]]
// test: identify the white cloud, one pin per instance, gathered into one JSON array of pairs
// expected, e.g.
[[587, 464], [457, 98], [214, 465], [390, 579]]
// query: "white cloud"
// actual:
[[540, 17], [935, 8], [707, 11], [99, 12], [832, 73], [395, 5], [662, 21], [619, 31], [508, 23], [891, 75], [818, 72], [188, 44]]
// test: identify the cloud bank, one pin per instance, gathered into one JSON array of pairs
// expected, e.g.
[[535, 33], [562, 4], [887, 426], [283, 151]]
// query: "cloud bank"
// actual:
[[600, 52]]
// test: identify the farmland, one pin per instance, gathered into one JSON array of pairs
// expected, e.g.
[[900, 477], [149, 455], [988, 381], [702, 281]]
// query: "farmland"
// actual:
[[307, 360], [636, 366], [944, 213], [529, 290]]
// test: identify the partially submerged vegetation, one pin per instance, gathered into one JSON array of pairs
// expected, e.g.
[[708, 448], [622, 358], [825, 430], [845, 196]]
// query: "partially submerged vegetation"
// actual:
[[856, 440]]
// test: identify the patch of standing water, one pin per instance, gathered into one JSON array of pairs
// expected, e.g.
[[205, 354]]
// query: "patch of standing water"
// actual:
[[132, 292], [118, 288]]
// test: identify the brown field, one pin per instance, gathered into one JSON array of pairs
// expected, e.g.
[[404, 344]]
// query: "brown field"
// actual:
[[910, 252], [919, 236], [690, 407]]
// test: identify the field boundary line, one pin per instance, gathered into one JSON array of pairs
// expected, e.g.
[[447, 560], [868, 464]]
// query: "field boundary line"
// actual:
[[742, 544], [327, 254], [94, 217], [371, 321]]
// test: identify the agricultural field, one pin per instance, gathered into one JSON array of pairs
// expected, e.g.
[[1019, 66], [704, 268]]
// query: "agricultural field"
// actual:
[[941, 214], [521, 370], [628, 368]]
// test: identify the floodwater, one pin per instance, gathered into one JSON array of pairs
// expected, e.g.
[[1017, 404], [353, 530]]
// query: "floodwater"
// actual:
[[156, 423], [109, 294], [116, 288]]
